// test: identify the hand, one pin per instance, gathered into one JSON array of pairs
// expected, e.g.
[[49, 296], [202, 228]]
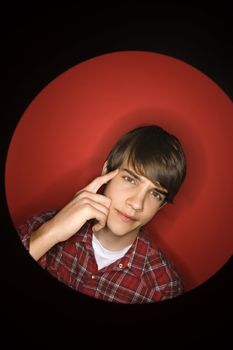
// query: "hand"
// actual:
[[85, 205]]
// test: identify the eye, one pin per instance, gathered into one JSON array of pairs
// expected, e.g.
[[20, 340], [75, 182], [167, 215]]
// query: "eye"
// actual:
[[129, 179], [157, 195]]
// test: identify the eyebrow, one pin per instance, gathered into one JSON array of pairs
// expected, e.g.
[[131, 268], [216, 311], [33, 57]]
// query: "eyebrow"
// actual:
[[132, 173]]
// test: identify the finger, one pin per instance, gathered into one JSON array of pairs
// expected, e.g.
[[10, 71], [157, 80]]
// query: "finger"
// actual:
[[101, 180], [97, 227], [94, 206], [101, 220], [95, 197]]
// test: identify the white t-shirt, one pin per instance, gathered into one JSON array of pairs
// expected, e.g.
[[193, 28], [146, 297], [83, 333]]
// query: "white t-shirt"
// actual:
[[105, 257]]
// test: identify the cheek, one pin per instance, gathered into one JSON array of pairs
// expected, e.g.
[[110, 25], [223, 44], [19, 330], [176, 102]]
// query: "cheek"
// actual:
[[151, 209], [112, 188]]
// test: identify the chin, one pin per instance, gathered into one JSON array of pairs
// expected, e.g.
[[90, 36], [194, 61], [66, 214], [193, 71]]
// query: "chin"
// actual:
[[118, 229]]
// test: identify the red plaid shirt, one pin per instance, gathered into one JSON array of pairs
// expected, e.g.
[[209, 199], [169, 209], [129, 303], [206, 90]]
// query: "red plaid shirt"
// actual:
[[142, 275]]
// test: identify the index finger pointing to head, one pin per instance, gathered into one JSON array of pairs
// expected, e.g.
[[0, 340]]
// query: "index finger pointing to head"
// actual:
[[101, 180]]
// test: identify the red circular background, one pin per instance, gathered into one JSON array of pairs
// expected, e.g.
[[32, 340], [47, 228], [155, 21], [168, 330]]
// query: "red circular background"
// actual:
[[62, 139]]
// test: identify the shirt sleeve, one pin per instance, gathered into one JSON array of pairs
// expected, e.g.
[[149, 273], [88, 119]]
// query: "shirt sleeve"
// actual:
[[164, 280], [26, 229], [174, 285], [168, 285]]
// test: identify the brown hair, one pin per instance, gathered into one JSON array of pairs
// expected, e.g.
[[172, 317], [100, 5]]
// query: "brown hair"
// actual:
[[153, 153]]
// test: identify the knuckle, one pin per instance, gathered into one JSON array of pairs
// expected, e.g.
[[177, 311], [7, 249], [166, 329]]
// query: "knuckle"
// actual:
[[83, 193], [87, 207], [78, 194], [84, 200]]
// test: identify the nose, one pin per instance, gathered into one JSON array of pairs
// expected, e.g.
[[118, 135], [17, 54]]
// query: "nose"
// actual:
[[136, 200]]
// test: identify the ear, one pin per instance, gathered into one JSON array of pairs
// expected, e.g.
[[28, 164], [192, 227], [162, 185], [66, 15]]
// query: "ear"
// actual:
[[104, 170]]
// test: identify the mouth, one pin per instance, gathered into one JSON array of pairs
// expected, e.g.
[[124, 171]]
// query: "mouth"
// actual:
[[124, 217]]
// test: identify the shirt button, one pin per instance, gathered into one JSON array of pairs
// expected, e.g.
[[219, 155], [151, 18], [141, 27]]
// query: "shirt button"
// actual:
[[120, 265], [93, 277]]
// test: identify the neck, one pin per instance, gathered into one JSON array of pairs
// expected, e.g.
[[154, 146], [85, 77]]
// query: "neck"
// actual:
[[113, 242]]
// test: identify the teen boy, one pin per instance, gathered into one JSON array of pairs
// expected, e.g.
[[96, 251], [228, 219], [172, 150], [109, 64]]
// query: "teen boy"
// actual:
[[96, 244]]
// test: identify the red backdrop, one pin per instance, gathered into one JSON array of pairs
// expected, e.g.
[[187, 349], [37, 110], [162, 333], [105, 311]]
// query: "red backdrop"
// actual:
[[63, 137]]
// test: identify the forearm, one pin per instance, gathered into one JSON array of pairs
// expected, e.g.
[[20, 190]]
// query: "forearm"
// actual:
[[41, 241], [85, 205]]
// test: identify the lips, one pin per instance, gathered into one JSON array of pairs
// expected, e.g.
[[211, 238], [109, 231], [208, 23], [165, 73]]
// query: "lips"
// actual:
[[125, 217]]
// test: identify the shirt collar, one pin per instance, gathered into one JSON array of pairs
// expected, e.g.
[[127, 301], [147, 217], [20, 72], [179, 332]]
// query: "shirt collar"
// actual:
[[134, 260]]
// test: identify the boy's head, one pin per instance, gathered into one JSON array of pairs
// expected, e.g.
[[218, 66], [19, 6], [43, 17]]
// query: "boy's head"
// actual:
[[153, 153]]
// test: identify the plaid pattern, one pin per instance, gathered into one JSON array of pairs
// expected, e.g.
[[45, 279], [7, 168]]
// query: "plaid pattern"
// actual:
[[143, 275]]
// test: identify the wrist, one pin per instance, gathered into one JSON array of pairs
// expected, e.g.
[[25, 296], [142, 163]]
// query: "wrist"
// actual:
[[48, 233]]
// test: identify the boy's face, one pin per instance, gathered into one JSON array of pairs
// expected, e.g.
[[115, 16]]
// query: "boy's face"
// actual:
[[135, 200]]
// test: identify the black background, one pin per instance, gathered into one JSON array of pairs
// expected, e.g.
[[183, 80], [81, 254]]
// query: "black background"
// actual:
[[37, 45]]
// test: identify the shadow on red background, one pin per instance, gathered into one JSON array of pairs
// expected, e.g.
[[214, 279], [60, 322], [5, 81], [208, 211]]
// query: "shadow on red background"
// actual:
[[64, 137]]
